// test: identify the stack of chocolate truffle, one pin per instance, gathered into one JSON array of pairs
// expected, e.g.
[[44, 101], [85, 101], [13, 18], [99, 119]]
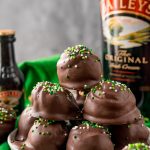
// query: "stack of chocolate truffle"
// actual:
[[45, 125], [84, 112], [106, 103]]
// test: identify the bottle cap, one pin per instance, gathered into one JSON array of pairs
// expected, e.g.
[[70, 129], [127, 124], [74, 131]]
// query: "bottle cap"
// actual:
[[7, 32]]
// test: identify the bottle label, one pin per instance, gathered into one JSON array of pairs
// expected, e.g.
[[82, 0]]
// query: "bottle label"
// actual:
[[10, 97], [126, 30], [136, 7]]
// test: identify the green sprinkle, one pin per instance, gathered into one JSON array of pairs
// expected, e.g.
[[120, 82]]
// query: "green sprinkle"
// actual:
[[51, 88], [93, 125], [115, 84], [138, 146], [97, 87], [81, 50], [50, 122], [112, 85]]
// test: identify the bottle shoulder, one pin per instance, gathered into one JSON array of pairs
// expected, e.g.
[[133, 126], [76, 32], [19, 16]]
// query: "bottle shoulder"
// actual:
[[11, 77]]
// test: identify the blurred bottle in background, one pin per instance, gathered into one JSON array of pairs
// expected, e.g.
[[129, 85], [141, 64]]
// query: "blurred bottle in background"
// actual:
[[126, 45], [11, 78]]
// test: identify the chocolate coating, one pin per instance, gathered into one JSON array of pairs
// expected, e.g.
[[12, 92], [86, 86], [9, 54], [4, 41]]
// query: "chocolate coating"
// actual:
[[52, 102], [78, 68], [123, 135], [85, 137], [7, 121], [45, 135], [111, 103], [25, 123]]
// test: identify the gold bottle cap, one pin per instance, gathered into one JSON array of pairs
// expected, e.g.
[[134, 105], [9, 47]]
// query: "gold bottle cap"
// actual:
[[7, 32]]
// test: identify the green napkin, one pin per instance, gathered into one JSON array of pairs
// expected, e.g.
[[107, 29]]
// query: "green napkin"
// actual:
[[36, 71]]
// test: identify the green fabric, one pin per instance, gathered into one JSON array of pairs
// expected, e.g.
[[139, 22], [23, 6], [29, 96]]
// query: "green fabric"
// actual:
[[35, 71], [147, 121]]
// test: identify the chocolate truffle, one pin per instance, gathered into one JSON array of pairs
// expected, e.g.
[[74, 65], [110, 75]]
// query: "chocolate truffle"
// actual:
[[137, 146], [111, 103], [46, 135], [52, 102], [123, 135], [78, 68], [89, 137], [25, 123], [7, 121]]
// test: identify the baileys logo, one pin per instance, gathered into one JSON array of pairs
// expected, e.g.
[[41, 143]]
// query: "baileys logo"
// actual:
[[126, 22], [135, 6]]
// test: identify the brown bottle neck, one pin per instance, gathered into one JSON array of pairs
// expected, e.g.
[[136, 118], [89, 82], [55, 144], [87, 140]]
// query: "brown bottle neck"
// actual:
[[7, 57]]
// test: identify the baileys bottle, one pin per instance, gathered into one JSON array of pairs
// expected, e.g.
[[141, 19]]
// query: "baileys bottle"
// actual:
[[126, 45], [11, 77]]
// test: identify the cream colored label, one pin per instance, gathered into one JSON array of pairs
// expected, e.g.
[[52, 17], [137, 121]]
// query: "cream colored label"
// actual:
[[123, 59]]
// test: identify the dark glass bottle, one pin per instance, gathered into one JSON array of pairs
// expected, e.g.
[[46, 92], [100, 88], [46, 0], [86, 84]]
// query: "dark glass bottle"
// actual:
[[11, 78], [126, 46]]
